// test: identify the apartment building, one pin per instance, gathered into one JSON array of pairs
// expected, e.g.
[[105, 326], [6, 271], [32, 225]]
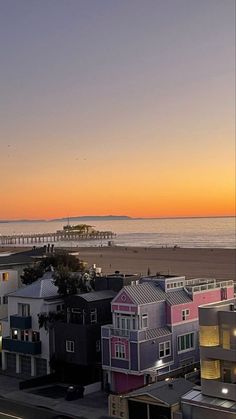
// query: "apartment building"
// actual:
[[154, 329], [216, 398]]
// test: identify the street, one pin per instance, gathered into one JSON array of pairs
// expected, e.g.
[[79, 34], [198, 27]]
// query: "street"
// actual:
[[13, 410]]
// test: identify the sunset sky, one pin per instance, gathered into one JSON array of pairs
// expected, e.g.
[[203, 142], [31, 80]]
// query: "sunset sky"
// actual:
[[117, 107]]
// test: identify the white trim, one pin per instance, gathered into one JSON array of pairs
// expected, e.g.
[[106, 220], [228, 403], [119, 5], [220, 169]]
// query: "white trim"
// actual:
[[163, 343]]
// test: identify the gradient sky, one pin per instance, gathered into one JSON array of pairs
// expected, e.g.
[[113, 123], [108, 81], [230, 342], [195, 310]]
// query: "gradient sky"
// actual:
[[117, 107]]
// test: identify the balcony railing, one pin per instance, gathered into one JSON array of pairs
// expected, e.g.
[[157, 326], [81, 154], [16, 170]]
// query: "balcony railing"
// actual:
[[120, 332], [14, 345], [20, 322], [209, 286]]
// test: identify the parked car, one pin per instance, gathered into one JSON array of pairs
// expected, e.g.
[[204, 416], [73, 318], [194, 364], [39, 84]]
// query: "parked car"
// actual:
[[74, 392]]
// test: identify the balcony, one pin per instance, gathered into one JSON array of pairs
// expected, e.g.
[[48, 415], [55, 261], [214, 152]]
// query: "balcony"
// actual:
[[20, 346], [120, 332], [218, 353], [20, 322]]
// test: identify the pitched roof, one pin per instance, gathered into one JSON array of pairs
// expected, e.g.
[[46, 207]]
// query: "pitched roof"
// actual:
[[168, 392], [21, 258], [144, 293], [97, 295], [177, 297], [156, 333], [42, 288]]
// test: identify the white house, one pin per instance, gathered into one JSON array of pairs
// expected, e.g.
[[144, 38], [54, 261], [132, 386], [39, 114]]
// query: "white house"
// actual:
[[26, 348]]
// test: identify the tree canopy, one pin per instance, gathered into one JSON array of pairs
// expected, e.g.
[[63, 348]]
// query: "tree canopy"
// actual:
[[63, 259]]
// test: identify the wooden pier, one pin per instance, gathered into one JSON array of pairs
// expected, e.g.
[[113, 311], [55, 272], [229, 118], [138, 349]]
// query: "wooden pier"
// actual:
[[24, 239]]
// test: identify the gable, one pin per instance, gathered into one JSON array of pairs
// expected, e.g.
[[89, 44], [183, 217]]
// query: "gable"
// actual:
[[122, 298], [146, 398]]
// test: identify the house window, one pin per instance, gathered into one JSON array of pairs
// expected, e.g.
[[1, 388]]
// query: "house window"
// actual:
[[24, 335], [93, 315], [5, 299], [77, 316], [144, 321], [185, 342], [35, 336], [58, 308], [70, 346], [24, 310], [164, 349], [14, 334], [125, 322], [185, 314], [120, 350], [75, 310], [5, 276]]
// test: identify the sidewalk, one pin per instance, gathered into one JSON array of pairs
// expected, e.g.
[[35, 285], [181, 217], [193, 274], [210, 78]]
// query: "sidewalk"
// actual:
[[92, 406]]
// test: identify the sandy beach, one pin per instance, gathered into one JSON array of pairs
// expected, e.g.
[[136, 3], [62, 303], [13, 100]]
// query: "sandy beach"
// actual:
[[216, 263], [212, 263]]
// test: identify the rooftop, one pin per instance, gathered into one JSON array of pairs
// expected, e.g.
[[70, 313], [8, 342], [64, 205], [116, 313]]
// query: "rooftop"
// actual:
[[145, 293], [42, 288], [167, 392], [195, 396], [21, 258], [97, 295]]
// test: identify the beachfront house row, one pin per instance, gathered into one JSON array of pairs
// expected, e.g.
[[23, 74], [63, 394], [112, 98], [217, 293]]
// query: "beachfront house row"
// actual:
[[27, 348], [154, 329]]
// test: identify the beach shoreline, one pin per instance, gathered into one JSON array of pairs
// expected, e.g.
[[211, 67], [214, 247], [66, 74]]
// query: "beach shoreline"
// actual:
[[192, 262]]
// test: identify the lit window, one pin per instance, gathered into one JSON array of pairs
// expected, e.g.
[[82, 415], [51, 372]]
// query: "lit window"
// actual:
[[210, 370], [5, 276], [70, 346], [185, 314], [225, 337], [164, 349], [186, 342], [120, 350], [15, 334], [209, 336]]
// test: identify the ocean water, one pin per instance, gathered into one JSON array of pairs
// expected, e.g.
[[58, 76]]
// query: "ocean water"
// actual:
[[183, 232]]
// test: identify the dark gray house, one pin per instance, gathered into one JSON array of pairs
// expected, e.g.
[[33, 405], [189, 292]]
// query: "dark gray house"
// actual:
[[78, 337], [115, 281]]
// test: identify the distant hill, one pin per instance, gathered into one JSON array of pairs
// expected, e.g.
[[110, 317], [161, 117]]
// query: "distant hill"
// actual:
[[83, 218], [95, 218]]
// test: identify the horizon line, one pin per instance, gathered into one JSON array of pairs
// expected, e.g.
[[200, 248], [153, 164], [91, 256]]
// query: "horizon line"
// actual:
[[115, 216]]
